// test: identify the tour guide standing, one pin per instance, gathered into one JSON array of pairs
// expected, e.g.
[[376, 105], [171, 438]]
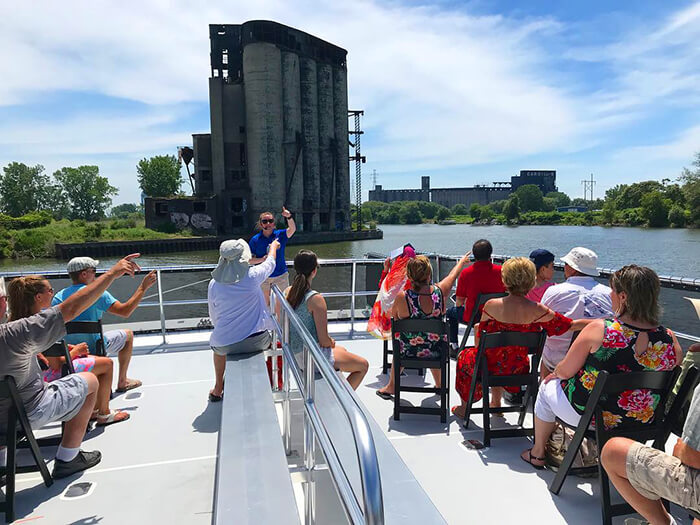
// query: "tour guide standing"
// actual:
[[260, 242]]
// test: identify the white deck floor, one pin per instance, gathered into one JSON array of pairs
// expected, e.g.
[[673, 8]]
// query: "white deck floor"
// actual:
[[159, 466]]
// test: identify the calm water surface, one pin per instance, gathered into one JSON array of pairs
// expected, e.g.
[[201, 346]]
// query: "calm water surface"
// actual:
[[668, 251]]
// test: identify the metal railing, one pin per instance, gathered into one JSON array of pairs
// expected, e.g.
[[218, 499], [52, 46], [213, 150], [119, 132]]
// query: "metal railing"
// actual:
[[370, 510]]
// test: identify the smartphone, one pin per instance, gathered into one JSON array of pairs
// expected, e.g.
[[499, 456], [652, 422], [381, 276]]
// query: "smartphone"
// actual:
[[473, 444]]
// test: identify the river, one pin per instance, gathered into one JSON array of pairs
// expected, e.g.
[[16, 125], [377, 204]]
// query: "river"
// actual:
[[668, 251]]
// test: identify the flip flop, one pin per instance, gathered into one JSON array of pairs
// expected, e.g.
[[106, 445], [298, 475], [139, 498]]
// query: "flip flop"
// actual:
[[104, 420], [130, 385], [384, 395], [531, 457], [214, 398]]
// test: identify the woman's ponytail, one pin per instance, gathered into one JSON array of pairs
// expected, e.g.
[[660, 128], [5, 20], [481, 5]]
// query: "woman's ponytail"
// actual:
[[305, 262]]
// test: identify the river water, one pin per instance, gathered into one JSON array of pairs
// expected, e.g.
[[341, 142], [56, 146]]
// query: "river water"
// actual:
[[668, 251]]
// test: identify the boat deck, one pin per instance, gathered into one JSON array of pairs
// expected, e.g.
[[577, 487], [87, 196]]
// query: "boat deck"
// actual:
[[159, 467]]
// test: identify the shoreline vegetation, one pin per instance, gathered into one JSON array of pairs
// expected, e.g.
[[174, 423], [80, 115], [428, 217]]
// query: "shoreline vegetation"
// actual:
[[656, 204]]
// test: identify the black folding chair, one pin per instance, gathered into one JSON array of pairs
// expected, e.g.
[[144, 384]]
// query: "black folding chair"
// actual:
[[476, 316], [386, 363], [534, 342], [436, 326], [16, 415], [612, 385], [89, 327]]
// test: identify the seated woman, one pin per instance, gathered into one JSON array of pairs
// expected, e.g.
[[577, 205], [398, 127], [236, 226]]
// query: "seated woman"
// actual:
[[631, 341], [513, 313], [310, 306], [423, 300], [30, 295]]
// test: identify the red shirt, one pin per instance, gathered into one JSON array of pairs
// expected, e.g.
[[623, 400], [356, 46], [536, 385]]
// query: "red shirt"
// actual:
[[480, 277]]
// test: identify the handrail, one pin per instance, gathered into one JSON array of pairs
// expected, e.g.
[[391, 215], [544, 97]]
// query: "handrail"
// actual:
[[372, 510]]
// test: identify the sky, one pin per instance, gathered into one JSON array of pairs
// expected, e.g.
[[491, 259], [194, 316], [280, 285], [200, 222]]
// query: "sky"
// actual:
[[466, 92]]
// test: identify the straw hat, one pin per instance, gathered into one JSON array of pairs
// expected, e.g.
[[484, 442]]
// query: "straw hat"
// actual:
[[233, 261]]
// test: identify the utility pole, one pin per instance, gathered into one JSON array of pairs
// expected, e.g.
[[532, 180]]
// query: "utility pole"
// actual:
[[588, 186], [374, 179], [359, 160]]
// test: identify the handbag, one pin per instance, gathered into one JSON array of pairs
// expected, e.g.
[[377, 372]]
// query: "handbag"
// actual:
[[586, 461]]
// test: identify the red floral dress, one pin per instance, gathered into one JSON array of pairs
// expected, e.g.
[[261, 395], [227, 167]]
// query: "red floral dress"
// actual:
[[503, 360]]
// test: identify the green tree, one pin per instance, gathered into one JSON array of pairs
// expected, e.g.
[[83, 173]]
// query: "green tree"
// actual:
[[549, 204], [486, 213], [608, 213], [459, 209], [676, 216], [560, 198], [159, 176], [531, 198], [630, 196], [122, 211], [690, 180], [89, 195], [428, 209], [410, 213], [512, 208], [655, 209], [24, 189], [442, 213], [497, 206], [475, 211]]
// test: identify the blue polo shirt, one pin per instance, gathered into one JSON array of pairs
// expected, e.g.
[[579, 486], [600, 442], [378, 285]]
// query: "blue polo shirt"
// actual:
[[258, 247], [94, 313]]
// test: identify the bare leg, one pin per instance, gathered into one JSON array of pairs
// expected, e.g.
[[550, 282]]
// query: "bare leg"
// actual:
[[543, 429], [614, 460], [124, 358], [74, 430], [349, 362], [437, 377], [219, 369], [103, 369], [496, 396], [389, 388]]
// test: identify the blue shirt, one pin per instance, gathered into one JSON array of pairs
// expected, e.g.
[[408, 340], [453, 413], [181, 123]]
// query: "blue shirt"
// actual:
[[94, 313], [258, 246]]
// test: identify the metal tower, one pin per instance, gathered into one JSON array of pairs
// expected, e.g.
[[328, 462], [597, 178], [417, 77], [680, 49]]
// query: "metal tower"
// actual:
[[588, 186], [359, 160]]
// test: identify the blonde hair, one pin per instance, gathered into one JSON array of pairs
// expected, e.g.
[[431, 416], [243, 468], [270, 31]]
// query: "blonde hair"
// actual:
[[419, 271], [21, 295], [519, 275]]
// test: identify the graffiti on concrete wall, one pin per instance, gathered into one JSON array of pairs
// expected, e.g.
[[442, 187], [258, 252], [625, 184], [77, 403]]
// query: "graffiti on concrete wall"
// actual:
[[199, 221]]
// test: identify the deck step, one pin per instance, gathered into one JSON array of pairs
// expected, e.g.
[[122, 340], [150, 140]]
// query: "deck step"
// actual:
[[253, 483]]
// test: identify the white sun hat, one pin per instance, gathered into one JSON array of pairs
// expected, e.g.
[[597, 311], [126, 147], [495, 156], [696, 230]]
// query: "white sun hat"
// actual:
[[233, 261], [582, 260]]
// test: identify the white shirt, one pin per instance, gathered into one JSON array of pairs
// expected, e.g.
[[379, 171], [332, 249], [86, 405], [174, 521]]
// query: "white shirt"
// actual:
[[238, 310], [579, 297]]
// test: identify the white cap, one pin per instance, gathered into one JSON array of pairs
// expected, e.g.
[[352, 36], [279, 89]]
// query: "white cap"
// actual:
[[233, 261], [582, 260], [77, 264]]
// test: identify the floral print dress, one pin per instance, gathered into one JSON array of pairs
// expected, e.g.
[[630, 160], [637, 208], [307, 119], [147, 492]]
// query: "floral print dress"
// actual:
[[503, 360], [617, 356], [425, 345]]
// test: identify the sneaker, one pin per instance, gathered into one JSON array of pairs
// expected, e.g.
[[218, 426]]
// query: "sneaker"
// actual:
[[83, 461]]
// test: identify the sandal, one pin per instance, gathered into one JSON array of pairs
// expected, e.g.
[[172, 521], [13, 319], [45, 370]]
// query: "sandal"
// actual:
[[531, 457], [114, 416], [385, 395], [130, 385], [213, 398]]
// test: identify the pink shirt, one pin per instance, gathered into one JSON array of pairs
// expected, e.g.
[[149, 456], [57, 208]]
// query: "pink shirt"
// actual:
[[538, 291]]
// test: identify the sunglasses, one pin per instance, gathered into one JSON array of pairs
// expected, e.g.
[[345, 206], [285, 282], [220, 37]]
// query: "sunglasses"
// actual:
[[267, 221]]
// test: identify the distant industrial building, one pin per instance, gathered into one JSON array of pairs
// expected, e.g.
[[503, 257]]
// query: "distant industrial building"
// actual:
[[279, 134], [543, 179]]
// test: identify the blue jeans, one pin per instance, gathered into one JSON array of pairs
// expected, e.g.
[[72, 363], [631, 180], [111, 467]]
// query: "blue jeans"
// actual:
[[454, 317]]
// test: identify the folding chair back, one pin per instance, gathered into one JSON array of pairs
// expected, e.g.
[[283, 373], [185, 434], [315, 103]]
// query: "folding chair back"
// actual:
[[534, 342], [607, 385], [481, 300], [436, 326], [386, 363], [60, 349], [89, 327], [16, 415]]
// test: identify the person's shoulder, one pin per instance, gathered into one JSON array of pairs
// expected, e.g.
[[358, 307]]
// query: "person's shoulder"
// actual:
[[255, 238]]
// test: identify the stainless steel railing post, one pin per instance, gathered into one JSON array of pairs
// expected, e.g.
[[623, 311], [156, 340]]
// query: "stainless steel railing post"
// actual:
[[352, 299], [286, 403], [437, 268], [273, 363], [309, 452], [160, 307]]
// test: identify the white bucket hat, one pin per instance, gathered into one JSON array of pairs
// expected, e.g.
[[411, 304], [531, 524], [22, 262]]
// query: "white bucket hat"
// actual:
[[78, 264], [582, 260], [233, 261]]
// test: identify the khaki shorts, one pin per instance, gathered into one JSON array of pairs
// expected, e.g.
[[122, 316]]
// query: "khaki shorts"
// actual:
[[61, 401], [655, 474], [282, 282]]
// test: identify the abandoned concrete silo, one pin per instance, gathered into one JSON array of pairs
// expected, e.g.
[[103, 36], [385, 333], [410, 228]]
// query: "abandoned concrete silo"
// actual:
[[279, 129]]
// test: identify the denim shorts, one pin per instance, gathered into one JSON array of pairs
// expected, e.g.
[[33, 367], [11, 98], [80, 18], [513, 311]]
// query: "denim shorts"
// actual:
[[61, 401]]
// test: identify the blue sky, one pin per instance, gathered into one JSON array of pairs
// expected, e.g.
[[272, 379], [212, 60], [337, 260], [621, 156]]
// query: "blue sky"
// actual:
[[467, 92]]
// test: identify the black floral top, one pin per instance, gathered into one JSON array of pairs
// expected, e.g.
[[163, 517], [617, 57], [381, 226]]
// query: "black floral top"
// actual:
[[426, 345], [617, 356]]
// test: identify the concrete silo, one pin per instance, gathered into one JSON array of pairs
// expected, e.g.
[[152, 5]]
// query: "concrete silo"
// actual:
[[340, 117], [326, 145], [309, 125], [292, 135]]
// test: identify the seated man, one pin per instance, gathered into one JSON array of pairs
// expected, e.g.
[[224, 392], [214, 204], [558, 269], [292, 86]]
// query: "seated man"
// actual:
[[579, 297], [71, 398], [481, 277], [643, 475], [82, 271]]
